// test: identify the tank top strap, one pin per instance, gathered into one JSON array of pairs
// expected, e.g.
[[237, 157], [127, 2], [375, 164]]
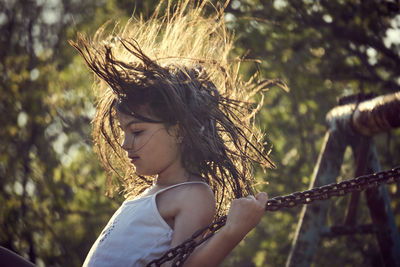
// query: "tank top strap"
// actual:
[[176, 185]]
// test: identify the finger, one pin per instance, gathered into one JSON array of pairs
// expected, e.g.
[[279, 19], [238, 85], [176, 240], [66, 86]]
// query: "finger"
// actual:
[[251, 197], [262, 197]]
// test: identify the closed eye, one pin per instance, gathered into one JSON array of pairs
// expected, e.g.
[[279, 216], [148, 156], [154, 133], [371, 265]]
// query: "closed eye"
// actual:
[[136, 132]]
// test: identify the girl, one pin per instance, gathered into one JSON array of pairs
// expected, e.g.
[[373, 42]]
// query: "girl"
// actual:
[[173, 125]]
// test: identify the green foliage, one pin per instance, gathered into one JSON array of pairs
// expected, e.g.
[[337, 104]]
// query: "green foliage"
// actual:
[[51, 184], [323, 50]]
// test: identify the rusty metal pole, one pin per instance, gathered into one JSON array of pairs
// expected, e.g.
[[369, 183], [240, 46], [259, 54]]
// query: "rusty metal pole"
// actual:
[[369, 118], [312, 218], [360, 169], [347, 124], [379, 206]]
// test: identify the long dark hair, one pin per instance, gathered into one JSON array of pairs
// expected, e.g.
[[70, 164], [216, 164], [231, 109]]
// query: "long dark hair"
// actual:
[[177, 66]]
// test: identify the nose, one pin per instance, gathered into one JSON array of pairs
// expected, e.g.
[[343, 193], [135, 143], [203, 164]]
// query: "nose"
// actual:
[[128, 142]]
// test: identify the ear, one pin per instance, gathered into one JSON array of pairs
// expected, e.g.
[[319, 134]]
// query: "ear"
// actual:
[[179, 140], [178, 133]]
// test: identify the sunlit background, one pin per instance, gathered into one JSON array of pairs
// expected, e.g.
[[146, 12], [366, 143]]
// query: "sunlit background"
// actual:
[[52, 202]]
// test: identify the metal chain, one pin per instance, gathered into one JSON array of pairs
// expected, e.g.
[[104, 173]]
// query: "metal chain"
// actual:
[[181, 252]]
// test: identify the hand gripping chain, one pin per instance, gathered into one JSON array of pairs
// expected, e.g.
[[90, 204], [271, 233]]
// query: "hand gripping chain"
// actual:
[[181, 252]]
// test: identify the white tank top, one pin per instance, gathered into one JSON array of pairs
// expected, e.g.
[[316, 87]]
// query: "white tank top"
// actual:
[[135, 235]]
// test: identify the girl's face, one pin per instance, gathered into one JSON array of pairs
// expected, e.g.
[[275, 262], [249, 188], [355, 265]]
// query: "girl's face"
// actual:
[[152, 149]]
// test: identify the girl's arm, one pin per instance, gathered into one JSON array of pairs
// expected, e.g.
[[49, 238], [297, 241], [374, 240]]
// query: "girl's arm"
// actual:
[[244, 215]]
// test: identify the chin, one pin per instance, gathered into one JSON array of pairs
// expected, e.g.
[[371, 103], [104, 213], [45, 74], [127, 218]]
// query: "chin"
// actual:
[[142, 172]]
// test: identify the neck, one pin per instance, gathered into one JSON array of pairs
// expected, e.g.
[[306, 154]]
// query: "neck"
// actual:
[[176, 177]]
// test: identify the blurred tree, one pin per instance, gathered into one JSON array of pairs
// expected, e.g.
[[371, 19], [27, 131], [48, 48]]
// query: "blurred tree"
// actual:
[[47, 201], [51, 185], [323, 50]]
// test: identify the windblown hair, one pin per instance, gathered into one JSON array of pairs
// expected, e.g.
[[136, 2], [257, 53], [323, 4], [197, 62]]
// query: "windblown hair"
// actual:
[[177, 66]]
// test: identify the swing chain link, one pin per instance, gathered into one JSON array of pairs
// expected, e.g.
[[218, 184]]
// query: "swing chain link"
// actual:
[[325, 192], [361, 183]]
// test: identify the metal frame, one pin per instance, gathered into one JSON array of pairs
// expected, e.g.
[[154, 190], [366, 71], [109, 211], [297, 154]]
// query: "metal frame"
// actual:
[[351, 125]]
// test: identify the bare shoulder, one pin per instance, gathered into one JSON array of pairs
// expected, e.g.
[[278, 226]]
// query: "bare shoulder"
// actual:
[[193, 200], [197, 198], [196, 210], [198, 194]]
